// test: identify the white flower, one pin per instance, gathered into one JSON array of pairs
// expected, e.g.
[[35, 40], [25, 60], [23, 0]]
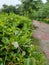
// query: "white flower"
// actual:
[[16, 45]]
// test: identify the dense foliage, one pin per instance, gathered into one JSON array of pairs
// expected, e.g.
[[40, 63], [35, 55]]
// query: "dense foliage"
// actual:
[[16, 42], [8, 9], [29, 8], [43, 13], [34, 9], [17, 46]]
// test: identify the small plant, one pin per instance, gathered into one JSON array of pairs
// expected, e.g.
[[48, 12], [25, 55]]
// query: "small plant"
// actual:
[[46, 20]]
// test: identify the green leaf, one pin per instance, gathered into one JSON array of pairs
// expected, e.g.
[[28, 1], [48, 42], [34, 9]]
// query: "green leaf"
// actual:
[[1, 61], [5, 40]]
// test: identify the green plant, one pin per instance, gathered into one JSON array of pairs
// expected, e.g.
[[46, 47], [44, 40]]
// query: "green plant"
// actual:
[[16, 42], [46, 20]]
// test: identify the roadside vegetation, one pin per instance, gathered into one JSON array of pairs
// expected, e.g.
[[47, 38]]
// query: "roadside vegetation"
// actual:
[[17, 44]]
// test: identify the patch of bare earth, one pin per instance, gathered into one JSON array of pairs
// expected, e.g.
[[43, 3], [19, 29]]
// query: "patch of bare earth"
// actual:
[[42, 33]]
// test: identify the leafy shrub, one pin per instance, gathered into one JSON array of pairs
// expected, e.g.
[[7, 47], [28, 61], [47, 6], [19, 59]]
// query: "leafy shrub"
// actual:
[[16, 42], [46, 20]]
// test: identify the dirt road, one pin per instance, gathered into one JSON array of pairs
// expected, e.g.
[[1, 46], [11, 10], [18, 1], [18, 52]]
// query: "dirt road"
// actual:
[[42, 33]]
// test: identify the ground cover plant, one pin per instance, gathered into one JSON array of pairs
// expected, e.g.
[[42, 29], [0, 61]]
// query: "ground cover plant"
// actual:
[[16, 42], [46, 20]]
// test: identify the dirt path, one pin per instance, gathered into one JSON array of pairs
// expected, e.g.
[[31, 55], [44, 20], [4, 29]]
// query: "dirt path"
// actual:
[[42, 33]]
